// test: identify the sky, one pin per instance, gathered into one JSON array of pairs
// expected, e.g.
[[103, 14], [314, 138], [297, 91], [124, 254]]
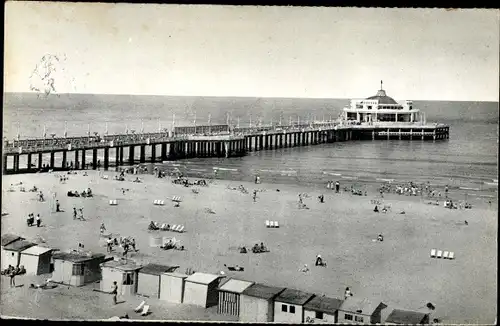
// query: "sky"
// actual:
[[420, 54]]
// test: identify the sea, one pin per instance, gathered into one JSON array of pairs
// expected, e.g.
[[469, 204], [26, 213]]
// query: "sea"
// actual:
[[467, 161]]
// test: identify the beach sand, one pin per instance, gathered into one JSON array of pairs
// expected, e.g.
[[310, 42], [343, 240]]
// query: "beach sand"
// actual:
[[397, 271]]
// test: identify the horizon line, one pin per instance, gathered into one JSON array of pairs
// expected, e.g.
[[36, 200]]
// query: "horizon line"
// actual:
[[241, 96]]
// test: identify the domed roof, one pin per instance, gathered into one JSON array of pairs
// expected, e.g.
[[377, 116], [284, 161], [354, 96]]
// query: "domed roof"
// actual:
[[382, 97]]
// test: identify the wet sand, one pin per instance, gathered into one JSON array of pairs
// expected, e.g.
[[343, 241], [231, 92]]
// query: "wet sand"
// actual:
[[398, 271]]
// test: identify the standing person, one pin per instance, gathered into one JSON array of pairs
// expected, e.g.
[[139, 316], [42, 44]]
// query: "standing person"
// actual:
[[114, 292], [12, 276], [74, 213], [254, 195], [58, 206], [109, 244], [133, 244], [38, 220], [337, 187]]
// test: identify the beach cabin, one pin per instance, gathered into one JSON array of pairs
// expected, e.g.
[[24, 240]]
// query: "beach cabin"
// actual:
[[229, 296], [257, 303], [400, 317], [172, 287], [125, 274], [11, 253], [359, 310], [322, 310], [36, 260], [201, 289], [289, 306], [149, 282], [76, 269]]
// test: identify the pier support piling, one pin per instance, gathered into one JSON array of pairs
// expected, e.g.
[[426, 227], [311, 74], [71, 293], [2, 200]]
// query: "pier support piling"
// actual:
[[52, 160], [106, 158], [64, 160]]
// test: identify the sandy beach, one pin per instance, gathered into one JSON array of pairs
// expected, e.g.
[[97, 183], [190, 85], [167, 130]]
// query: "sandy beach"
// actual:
[[397, 271]]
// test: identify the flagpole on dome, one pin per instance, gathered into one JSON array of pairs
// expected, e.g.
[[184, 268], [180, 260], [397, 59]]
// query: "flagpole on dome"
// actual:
[[65, 129], [18, 131]]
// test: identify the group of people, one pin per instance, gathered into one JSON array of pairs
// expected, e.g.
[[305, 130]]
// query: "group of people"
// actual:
[[78, 214], [12, 272], [85, 193], [256, 249], [330, 185], [126, 243], [31, 219]]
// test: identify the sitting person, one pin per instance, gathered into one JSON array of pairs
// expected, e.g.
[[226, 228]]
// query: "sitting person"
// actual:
[[380, 238], [256, 248], [375, 209], [262, 247], [243, 250]]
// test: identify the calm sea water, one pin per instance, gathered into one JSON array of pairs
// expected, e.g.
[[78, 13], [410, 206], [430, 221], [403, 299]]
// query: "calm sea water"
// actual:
[[468, 159]]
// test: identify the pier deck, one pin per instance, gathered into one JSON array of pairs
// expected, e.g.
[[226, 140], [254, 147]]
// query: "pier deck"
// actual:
[[189, 142]]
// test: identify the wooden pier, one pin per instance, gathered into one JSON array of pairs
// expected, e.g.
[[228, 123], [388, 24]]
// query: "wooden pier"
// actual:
[[197, 142]]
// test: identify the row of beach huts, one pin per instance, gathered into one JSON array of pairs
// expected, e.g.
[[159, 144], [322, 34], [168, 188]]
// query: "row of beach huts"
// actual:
[[249, 301]]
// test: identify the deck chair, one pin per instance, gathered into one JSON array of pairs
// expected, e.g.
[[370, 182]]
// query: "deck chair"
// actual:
[[163, 226], [173, 227], [276, 225], [140, 306], [433, 253], [181, 229], [445, 254], [113, 202], [178, 228], [268, 224], [439, 254], [451, 255], [271, 224], [145, 310]]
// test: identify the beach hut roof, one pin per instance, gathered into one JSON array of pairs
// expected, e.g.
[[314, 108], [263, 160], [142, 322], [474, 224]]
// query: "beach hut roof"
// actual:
[[235, 286], [263, 291], [360, 306], [9, 238], [156, 269], [175, 274], [202, 278], [128, 266], [19, 245], [76, 258], [294, 297], [324, 304], [36, 251], [398, 316]]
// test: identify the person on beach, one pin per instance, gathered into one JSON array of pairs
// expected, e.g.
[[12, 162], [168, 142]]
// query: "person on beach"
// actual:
[[337, 187], [375, 209], [40, 196], [347, 293], [109, 244], [114, 292], [319, 260], [321, 198], [12, 276], [58, 206], [103, 228], [38, 220], [132, 243], [380, 238], [254, 196], [74, 213]]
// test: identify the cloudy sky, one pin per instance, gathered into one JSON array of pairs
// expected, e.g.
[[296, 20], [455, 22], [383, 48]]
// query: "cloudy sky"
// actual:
[[256, 51]]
